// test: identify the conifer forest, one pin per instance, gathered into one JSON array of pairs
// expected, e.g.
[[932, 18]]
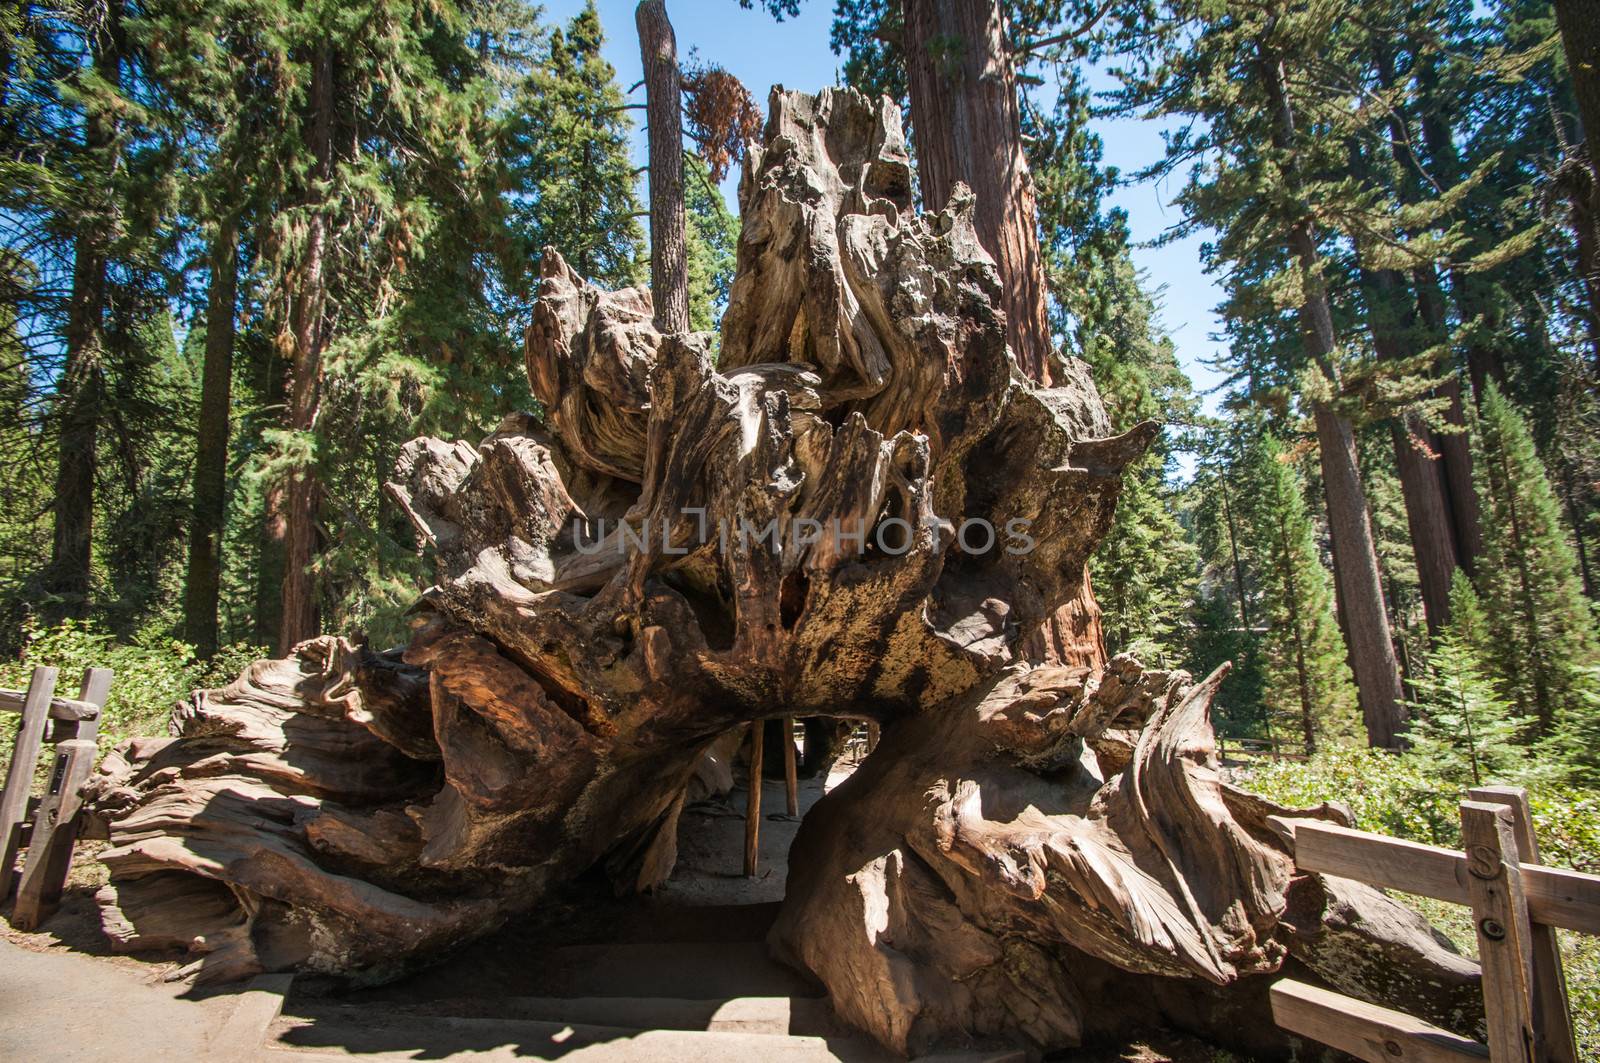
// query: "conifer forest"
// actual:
[[258, 258]]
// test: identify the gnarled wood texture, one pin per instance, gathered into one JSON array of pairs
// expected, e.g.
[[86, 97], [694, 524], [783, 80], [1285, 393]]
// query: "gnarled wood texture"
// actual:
[[683, 545]]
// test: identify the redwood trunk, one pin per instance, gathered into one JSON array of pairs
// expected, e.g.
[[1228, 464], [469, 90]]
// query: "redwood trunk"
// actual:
[[1356, 574], [968, 128], [307, 336], [1418, 461], [79, 391], [1579, 21], [967, 125], [211, 451], [669, 261]]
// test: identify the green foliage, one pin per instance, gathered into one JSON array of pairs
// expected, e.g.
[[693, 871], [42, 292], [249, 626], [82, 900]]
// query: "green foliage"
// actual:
[[1398, 795], [1306, 680], [152, 673], [1464, 731], [713, 235], [1540, 629]]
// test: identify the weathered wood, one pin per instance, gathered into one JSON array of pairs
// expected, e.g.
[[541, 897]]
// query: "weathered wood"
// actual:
[[1505, 933], [874, 732], [69, 709], [1555, 896], [686, 544], [752, 804], [791, 770], [1366, 1031], [243, 1036], [57, 822], [669, 264], [55, 829], [1552, 1014], [19, 773]]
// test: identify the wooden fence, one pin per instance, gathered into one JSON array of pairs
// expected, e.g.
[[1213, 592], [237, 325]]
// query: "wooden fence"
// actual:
[[47, 825], [1516, 903]]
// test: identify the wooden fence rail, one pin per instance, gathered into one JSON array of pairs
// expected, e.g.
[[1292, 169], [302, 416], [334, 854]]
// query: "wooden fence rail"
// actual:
[[1515, 902], [54, 816]]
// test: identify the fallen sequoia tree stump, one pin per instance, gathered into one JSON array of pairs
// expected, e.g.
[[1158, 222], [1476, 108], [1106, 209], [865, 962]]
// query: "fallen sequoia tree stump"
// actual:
[[860, 508]]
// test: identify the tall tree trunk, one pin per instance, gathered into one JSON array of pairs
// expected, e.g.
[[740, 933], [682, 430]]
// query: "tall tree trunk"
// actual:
[[1359, 584], [669, 257], [1472, 295], [1417, 458], [1453, 449], [267, 610], [305, 338], [80, 389], [1575, 519], [204, 576], [1291, 596], [1579, 21], [967, 127], [1233, 552]]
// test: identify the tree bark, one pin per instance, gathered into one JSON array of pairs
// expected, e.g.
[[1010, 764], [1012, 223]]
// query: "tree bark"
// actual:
[[1417, 458], [203, 580], [1356, 574], [1579, 21], [1471, 294], [967, 126], [1454, 449], [305, 338], [965, 117], [669, 261], [80, 389]]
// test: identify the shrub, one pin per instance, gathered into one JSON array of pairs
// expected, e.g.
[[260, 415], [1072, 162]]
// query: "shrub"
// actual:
[[152, 673]]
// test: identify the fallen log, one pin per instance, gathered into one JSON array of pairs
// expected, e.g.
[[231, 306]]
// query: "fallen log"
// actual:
[[859, 508]]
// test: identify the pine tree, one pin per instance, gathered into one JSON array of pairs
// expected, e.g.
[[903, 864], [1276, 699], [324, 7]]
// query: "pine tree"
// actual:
[[570, 146], [1542, 629], [1266, 141], [1307, 679], [713, 235], [1464, 729]]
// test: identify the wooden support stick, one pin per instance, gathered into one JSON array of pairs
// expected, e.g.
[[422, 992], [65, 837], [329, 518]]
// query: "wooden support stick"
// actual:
[[1552, 1014], [752, 808], [19, 776], [791, 771], [1505, 939], [873, 734]]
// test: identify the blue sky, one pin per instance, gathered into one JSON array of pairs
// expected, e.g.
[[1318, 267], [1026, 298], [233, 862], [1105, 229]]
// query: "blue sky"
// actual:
[[762, 52]]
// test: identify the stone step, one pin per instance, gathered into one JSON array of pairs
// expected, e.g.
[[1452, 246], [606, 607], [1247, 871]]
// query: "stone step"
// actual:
[[322, 1035]]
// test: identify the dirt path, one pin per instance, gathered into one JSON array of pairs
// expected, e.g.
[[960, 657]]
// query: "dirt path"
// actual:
[[58, 1006]]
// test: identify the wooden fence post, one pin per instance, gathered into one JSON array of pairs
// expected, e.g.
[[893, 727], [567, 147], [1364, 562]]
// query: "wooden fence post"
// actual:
[[1552, 1015], [56, 821], [19, 776], [752, 808], [1505, 938]]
